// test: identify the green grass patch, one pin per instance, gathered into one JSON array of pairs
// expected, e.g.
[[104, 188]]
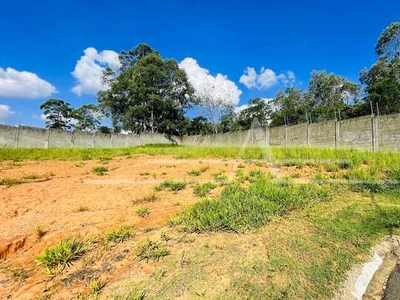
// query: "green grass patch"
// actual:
[[100, 170], [143, 211], [173, 185], [62, 254], [239, 209], [203, 189], [151, 250], [119, 235]]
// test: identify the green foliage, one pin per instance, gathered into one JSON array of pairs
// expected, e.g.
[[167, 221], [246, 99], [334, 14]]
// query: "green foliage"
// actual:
[[239, 209], [87, 117], [202, 190], [62, 254], [100, 170], [10, 181], [197, 172], [143, 211], [151, 250], [149, 93], [58, 114], [40, 232], [173, 185], [119, 235]]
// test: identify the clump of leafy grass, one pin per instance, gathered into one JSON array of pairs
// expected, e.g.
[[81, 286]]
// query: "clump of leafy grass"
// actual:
[[165, 237], [202, 190], [10, 181], [62, 254], [100, 170], [151, 197], [145, 173], [31, 176], [96, 286], [173, 185], [118, 235], [220, 176], [151, 250], [295, 175], [239, 209], [143, 211]]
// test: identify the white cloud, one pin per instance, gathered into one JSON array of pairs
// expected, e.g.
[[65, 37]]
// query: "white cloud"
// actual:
[[266, 78], [218, 89], [23, 84], [89, 69], [5, 112]]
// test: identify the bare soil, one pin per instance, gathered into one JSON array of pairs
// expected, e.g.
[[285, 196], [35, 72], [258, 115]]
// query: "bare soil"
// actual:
[[67, 199]]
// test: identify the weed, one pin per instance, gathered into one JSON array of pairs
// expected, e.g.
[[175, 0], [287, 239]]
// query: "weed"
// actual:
[[82, 208], [173, 185], [202, 190], [145, 173], [16, 272], [100, 170], [220, 177], [96, 286], [10, 181], [31, 176], [143, 211], [194, 172], [295, 175], [151, 250], [62, 254], [118, 235], [40, 232], [165, 237]]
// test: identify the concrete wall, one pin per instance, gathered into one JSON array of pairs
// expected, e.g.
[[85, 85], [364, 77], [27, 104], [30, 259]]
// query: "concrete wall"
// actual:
[[31, 137], [371, 133]]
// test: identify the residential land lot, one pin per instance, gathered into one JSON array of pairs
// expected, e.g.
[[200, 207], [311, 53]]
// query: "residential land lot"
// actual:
[[162, 222]]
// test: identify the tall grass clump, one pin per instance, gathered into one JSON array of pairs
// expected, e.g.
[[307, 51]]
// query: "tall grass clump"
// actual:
[[239, 209]]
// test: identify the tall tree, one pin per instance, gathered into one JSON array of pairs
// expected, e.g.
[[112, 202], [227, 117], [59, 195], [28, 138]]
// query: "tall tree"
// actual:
[[330, 94], [58, 114], [289, 107], [149, 94], [87, 117], [382, 79], [259, 109]]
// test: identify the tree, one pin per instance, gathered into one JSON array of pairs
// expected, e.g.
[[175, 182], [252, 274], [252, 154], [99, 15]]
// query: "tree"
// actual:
[[149, 94], [329, 95], [87, 117], [382, 79], [58, 114], [258, 109], [289, 107], [199, 125]]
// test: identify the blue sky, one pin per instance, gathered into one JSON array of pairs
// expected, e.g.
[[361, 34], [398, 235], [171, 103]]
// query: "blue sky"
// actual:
[[288, 39]]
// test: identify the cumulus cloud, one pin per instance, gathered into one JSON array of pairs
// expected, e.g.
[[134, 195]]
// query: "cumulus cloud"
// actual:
[[266, 78], [219, 89], [23, 84], [5, 112], [89, 69]]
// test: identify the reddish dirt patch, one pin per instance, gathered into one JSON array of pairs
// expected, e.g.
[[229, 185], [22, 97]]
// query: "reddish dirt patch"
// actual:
[[75, 202]]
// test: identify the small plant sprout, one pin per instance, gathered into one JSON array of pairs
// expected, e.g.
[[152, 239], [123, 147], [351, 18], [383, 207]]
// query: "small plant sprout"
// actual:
[[173, 185], [40, 232], [119, 235], [143, 211]]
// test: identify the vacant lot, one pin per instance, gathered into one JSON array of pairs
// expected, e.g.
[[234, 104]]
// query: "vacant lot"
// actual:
[[168, 222]]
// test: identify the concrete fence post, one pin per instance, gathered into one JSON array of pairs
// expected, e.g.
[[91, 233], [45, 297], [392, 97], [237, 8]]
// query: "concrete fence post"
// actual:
[[374, 133], [47, 141], [286, 135], [337, 133], [308, 134], [94, 140], [267, 136], [16, 138], [72, 142], [112, 140]]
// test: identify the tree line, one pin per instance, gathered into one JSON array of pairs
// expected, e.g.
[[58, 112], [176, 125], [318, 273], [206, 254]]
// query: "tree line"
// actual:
[[151, 94]]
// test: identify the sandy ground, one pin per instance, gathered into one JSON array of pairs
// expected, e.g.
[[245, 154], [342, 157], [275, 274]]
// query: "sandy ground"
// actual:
[[66, 199]]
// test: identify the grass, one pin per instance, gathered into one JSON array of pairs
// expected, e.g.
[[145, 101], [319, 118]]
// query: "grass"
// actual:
[[151, 250], [202, 190], [197, 172], [118, 235], [143, 211], [173, 185], [10, 181], [62, 254], [239, 209], [100, 170]]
